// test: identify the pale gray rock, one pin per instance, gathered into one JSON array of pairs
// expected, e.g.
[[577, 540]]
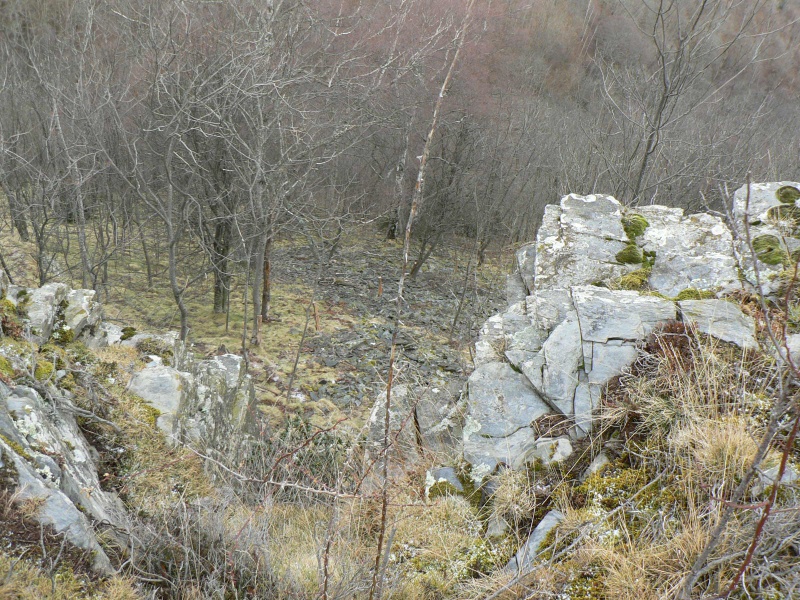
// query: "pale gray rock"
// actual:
[[611, 359], [443, 475], [486, 453], [769, 477], [526, 260], [47, 429], [587, 400], [516, 291], [720, 319], [162, 388], [762, 198], [210, 402], [764, 217], [168, 339], [68, 486], [578, 259], [532, 369], [496, 526], [502, 400], [105, 334], [625, 315], [57, 511], [563, 356], [218, 402], [43, 308], [534, 545], [593, 215], [599, 462], [549, 451], [582, 245], [82, 311], [490, 341], [692, 251], [440, 416], [547, 308], [523, 345], [793, 344], [404, 449]]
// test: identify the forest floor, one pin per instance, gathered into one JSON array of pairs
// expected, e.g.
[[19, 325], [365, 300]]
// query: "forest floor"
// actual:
[[337, 347]]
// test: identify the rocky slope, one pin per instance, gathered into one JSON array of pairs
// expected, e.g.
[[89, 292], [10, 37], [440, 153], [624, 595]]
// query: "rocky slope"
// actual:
[[45, 458]]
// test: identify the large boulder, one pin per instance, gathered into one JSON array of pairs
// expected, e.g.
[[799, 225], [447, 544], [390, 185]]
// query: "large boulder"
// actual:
[[422, 420], [771, 213], [210, 402], [43, 306], [82, 311], [600, 279], [44, 452]]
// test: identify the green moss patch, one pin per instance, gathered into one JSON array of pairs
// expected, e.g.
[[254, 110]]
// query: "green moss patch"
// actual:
[[44, 370], [155, 347], [630, 255], [787, 194], [769, 250], [127, 333], [16, 447], [6, 368], [786, 212], [694, 294], [634, 225]]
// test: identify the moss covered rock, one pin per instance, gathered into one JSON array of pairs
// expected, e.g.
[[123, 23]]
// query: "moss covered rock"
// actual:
[[630, 255], [769, 249], [634, 225], [787, 194], [694, 294]]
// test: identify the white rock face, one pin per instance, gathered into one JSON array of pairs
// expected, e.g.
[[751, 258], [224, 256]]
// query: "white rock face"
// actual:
[[43, 307], [82, 311], [766, 215], [577, 330], [692, 251], [162, 388], [68, 486], [722, 320]]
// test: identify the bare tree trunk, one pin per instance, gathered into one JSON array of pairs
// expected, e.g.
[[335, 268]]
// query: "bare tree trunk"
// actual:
[[266, 291], [376, 589], [220, 262]]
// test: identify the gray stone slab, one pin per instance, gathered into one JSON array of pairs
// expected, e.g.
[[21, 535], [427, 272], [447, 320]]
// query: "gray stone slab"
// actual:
[[534, 545], [720, 319], [502, 400], [618, 314]]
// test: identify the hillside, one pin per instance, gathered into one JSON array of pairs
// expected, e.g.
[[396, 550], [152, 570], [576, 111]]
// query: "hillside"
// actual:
[[620, 436], [399, 299]]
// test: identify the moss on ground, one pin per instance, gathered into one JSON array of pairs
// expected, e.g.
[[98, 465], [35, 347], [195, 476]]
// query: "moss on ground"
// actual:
[[6, 368], [44, 370]]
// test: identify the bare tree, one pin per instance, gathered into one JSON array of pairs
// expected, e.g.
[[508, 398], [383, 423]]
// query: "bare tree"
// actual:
[[647, 104]]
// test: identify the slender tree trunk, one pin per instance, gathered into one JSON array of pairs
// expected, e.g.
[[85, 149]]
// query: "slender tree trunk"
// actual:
[[145, 252], [266, 290], [257, 284], [221, 260]]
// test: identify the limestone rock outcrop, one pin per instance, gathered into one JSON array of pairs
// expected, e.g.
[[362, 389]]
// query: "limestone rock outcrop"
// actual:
[[598, 280], [45, 456]]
